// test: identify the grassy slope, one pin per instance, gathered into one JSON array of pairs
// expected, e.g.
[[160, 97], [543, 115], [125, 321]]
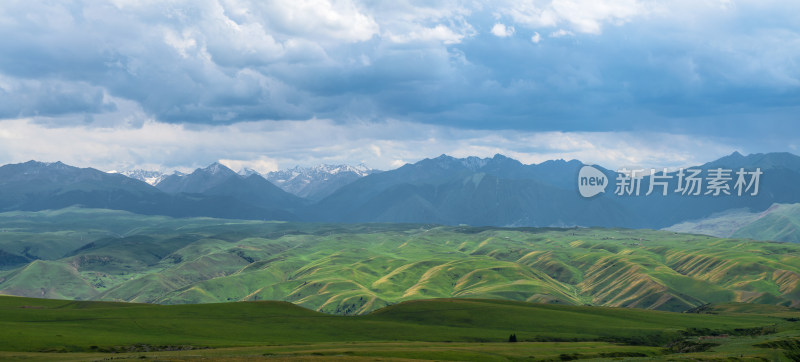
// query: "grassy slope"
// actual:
[[781, 222], [443, 329], [720, 225], [354, 269], [38, 324]]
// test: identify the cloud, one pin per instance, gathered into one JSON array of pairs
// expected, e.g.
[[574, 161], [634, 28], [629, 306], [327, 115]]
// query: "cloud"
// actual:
[[438, 33], [502, 31], [561, 33], [267, 146], [338, 20], [261, 164], [582, 16], [33, 97], [710, 68], [376, 150]]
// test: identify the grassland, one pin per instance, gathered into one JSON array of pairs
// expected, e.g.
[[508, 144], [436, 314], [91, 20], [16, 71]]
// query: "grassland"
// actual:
[[781, 222], [357, 268], [444, 329], [296, 291]]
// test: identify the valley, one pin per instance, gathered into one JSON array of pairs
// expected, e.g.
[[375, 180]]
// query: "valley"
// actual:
[[442, 259], [351, 269]]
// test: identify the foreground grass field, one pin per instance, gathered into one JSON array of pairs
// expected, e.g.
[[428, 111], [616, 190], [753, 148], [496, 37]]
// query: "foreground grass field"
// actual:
[[444, 329], [384, 351]]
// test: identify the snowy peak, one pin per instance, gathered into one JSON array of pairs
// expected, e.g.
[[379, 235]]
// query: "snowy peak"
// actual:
[[318, 181], [359, 170], [443, 162], [319, 171], [474, 163], [150, 177], [51, 171], [217, 168], [198, 181], [36, 165], [246, 172], [215, 171]]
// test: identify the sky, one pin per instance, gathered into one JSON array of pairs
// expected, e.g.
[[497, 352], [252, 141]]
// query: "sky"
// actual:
[[175, 85]]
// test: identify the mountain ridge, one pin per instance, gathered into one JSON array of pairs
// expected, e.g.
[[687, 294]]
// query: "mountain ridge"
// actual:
[[33, 186], [498, 191], [317, 182]]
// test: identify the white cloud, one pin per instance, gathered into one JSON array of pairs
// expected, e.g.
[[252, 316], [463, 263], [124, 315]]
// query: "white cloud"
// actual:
[[561, 33], [270, 145], [261, 164], [438, 33], [85, 66], [375, 150], [442, 21], [502, 31], [339, 20], [589, 16], [585, 16], [182, 43]]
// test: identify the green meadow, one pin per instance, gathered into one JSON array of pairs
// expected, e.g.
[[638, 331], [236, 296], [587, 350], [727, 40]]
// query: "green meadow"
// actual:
[[445, 329], [352, 269], [87, 284]]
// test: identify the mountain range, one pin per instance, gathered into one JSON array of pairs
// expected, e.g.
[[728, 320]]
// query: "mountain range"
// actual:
[[32, 186], [496, 191], [313, 183]]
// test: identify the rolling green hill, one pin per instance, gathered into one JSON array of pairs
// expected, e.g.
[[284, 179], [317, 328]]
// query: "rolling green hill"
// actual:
[[358, 268], [781, 222]]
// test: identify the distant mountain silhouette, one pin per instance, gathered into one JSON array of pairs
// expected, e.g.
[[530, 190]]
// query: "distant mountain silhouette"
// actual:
[[35, 186], [198, 181], [497, 191], [778, 184]]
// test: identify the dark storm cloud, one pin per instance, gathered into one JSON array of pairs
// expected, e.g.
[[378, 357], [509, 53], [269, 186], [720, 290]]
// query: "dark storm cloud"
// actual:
[[598, 66]]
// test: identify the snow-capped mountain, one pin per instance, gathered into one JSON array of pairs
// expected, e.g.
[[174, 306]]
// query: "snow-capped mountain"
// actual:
[[473, 163], [443, 190], [198, 181], [247, 172], [151, 177], [315, 183]]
